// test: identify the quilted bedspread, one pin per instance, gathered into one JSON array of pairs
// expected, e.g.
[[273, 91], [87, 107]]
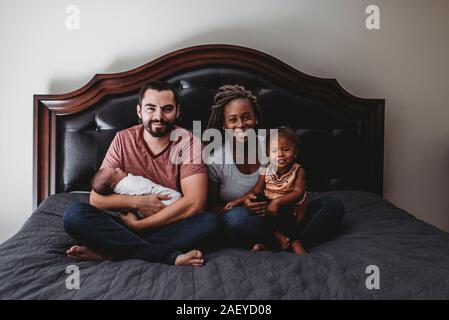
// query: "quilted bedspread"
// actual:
[[411, 257]]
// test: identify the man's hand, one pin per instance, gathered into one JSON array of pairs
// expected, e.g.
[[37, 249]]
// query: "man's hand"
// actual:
[[259, 208], [129, 219], [150, 204]]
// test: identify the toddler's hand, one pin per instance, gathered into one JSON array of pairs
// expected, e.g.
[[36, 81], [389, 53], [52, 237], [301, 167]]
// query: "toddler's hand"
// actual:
[[273, 208]]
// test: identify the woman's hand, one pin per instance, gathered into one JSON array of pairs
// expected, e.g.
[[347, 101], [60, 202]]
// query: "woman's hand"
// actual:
[[259, 208], [130, 220], [150, 204], [231, 205]]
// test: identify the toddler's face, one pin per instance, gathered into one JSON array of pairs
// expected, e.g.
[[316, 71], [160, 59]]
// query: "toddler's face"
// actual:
[[283, 154]]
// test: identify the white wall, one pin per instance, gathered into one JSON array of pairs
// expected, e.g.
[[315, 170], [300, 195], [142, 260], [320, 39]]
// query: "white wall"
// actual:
[[406, 62]]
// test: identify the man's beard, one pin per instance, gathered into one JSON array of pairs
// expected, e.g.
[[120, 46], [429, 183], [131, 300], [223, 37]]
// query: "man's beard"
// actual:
[[159, 132]]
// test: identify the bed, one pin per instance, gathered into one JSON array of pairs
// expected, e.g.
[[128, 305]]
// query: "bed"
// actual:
[[342, 146]]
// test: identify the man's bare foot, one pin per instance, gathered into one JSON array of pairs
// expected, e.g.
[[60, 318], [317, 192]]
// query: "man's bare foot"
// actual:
[[298, 248], [192, 258], [84, 253], [258, 247], [283, 240]]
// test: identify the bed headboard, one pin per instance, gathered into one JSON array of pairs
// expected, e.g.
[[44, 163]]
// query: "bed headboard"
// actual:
[[341, 136]]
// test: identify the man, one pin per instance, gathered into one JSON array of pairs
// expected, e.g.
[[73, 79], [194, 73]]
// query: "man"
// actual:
[[164, 232]]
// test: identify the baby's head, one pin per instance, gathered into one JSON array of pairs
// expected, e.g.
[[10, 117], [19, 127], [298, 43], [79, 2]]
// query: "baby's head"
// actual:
[[106, 179], [283, 153]]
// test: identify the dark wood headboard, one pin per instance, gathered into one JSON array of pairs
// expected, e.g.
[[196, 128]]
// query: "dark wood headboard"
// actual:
[[226, 63]]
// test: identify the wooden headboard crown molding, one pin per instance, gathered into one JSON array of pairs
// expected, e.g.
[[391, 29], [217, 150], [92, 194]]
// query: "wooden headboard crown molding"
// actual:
[[48, 107], [103, 84]]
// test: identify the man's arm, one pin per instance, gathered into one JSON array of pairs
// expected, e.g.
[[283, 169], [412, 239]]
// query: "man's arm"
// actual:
[[117, 202], [147, 205], [194, 189]]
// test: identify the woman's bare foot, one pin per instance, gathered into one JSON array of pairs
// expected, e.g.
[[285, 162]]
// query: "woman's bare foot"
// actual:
[[258, 247], [298, 248], [84, 253], [283, 240], [192, 258]]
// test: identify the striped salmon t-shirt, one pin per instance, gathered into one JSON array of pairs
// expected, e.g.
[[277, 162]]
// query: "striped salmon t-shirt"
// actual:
[[129, 152]]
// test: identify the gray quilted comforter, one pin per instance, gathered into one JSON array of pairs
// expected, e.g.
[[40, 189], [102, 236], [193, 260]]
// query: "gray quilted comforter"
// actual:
[[412, 257]]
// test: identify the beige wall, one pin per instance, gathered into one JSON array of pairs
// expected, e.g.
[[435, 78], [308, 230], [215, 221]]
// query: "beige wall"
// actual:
[[406, 62]]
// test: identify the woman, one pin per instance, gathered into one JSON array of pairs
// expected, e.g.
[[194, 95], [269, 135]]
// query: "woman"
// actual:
[[232, 175]]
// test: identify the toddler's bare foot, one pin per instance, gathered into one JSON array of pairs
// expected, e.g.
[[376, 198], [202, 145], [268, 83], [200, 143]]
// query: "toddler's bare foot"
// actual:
[[84, 253], [298, 248], [258, 247], [192, 258], [283, 240]]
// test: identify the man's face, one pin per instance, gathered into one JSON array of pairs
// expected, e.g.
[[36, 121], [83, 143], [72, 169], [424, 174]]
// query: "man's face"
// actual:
[[158, 112]]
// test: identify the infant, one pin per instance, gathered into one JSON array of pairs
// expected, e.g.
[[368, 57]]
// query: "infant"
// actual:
[[108, 180]]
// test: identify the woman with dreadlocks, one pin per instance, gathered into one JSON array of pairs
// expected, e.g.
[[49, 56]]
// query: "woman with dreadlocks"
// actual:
[[237, 112], [233, 173]]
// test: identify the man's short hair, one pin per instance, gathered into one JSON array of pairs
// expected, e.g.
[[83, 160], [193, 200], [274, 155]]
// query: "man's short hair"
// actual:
[[158, 86]]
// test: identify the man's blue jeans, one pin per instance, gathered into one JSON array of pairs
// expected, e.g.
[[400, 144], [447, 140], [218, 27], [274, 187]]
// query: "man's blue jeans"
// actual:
[[323, 216], [106, 235]]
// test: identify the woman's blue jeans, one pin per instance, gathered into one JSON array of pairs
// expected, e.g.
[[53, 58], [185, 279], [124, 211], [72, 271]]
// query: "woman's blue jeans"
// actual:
[[323, 216]]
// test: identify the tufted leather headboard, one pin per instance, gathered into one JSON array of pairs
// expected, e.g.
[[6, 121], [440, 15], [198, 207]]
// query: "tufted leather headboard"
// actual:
[[341, 136]]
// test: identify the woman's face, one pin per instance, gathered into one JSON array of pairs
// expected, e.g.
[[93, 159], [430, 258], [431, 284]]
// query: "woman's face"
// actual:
[[239, 116]]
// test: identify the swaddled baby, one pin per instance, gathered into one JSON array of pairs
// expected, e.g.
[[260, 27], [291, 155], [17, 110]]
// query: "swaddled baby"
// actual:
[[107, 181]]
